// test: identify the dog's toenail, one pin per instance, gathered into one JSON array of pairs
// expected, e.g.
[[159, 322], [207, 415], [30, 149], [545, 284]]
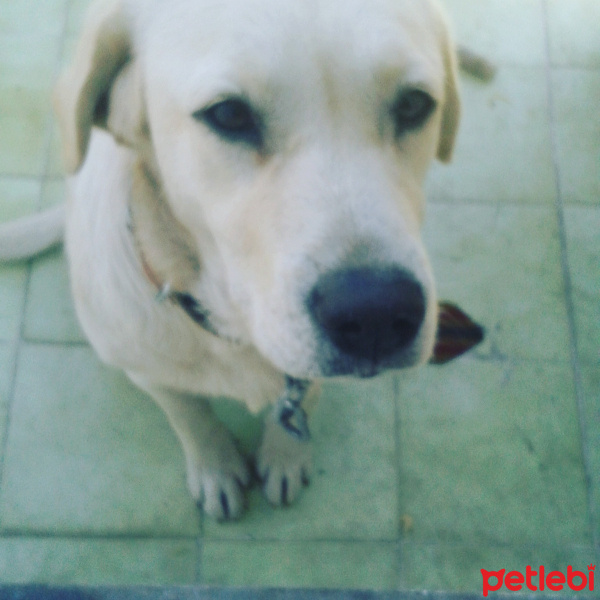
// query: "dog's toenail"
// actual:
[[305, 478], [224, 504]]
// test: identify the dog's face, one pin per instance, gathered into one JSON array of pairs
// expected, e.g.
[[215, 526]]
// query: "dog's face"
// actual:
[[292, 141]]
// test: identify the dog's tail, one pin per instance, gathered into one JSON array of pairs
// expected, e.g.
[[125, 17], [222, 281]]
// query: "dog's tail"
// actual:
[[29, 236]]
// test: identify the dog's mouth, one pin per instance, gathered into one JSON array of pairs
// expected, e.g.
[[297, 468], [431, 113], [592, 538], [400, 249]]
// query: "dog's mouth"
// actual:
[[368, 371], [336, 364]]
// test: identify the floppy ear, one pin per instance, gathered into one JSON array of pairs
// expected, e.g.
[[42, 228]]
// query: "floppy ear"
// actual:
[[451, 108], [92, 91], [126, 110]]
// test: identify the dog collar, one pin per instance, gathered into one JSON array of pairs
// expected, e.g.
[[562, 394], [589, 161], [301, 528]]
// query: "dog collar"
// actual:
[[184, 300]]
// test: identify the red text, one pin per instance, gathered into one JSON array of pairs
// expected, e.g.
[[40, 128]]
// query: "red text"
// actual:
[[538, 580]]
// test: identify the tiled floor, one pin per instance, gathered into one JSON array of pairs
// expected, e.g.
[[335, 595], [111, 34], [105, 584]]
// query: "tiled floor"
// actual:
[[421, 479]]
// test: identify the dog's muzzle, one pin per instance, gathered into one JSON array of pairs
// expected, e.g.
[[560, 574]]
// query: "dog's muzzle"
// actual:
[[369, 315]]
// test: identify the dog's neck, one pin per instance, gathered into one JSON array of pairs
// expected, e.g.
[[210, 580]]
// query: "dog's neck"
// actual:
[[165, 248], [164, 242]]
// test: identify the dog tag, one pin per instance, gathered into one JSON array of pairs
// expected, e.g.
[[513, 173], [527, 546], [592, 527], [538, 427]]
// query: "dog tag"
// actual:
[[289, 412], [457, 333]]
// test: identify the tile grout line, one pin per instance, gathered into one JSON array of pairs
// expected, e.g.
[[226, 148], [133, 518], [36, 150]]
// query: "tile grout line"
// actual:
[[48, 343], [20, 340], [12, 386], [94, 536], [568, 290]]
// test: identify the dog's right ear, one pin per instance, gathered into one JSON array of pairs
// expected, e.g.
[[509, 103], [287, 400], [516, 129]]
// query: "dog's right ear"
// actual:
[[84, 92]]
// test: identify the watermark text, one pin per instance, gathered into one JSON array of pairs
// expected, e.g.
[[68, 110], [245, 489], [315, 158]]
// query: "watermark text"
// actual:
[[541, 580]]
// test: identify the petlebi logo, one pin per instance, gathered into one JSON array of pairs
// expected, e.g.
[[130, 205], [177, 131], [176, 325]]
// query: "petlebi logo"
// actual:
[[541, 580]]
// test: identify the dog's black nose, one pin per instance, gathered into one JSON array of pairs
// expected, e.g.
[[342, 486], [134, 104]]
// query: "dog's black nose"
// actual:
[[368, 313]]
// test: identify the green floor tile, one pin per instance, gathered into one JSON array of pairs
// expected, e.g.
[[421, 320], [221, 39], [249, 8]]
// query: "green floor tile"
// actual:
[[591, 407], [88, 453], [55, 166], [573, 26], [28, 60], [98, 562], [13, 280], [577, 129], [50, 314], [504, 151], [7, 365], [32, 17], [77, 9], [246, 427], [19, 197], [490, 455], [26, 73], [53, 192], [308, 564], [503, 266], [583, 239], [517, 37], [353, 491], [458, 567], [23, 117]]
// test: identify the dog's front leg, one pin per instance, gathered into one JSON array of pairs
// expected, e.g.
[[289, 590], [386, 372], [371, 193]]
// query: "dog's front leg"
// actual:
[[284, 460], [216, 472]]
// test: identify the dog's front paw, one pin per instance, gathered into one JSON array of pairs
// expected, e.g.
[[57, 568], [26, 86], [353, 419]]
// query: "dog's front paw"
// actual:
[[218, 487], [221, 496], [283, 463]]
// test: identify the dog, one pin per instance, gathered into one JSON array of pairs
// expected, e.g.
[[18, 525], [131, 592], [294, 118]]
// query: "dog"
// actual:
[[245, 199]]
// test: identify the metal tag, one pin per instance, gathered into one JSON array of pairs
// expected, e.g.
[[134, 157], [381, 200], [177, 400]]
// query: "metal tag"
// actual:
[[289, 412]]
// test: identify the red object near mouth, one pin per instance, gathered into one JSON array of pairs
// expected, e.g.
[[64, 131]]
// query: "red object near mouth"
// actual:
[[457, 333]]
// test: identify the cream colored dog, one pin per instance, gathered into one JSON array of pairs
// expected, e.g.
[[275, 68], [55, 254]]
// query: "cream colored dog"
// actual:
[[259, 165]]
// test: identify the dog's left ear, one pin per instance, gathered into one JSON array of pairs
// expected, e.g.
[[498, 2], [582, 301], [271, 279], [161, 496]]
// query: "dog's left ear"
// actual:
[[102, 86], [451, 107]]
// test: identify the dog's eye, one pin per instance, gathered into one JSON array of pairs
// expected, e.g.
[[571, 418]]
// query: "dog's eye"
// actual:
[[233, 120], [411, 110]]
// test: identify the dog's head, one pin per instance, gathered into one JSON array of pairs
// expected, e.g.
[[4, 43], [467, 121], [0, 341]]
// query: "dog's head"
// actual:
[[291, 140]]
